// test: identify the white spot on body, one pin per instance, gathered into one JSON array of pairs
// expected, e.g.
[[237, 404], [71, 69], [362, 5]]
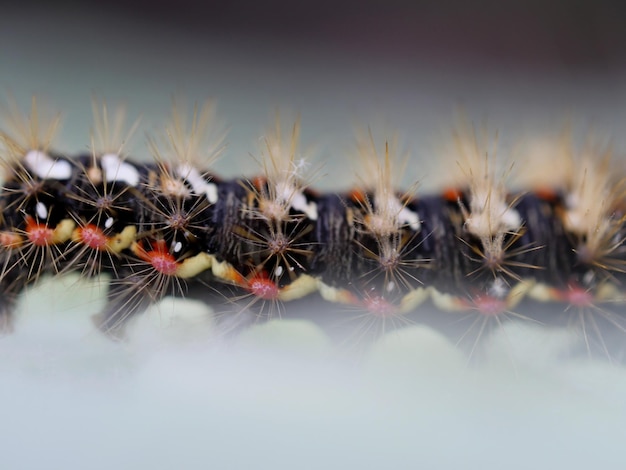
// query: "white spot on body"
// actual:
[[109, 222], [41, 211], [117, 170], [278, 271], [512, 220], [177, 247], [410, 218], [45, 167], [199, 184], [490, 214], [390, 286], [390, 214], [211, 192], [299, 203], [490, 222]]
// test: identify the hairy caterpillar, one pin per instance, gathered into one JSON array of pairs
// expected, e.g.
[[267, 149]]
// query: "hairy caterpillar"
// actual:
[[159, 228]]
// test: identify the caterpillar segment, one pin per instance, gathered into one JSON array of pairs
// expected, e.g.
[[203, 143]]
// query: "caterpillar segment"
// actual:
[[273, 226], [593, 288], [170, 225], [386, 240], [33, 227], [171, 206]]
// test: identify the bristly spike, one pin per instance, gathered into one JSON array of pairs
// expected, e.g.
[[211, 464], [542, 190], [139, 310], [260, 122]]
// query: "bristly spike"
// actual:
[[26, 134], [186, 151], [489, 212], [593, 190], [110, 135], [594, 207], [388, 229], [490, 215], [29, 132], [198, 143], [284, 177], [386, 213]]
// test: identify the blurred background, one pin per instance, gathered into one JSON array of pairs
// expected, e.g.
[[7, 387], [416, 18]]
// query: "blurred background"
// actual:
[[399, 65], [167, 398], [559, 35]]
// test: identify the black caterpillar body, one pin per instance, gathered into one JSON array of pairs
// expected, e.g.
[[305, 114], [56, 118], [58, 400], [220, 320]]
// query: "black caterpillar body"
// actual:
[[158, 228]]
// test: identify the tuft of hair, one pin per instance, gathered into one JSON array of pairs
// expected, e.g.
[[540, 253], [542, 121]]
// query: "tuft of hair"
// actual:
[[110, 133], [381, 175], [186, 150], [490, 214], [593, 206], [286, 175], [196, 143], [25, 132], [593, 190]]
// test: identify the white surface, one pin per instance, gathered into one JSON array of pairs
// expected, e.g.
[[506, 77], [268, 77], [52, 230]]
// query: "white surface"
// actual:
[[174, 395]]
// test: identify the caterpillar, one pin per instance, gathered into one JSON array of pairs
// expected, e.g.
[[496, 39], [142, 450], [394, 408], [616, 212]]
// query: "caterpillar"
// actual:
[[172, 226]]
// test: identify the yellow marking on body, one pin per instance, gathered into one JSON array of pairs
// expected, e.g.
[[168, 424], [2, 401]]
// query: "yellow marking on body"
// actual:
[[609, 292], [543, 293], [122, 240], [336, 295], [63, 231], [137, 249], [414, 299], [517, 293], [76, 236], [225, 271], [301, 287], [193, 266], [447, 302]]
